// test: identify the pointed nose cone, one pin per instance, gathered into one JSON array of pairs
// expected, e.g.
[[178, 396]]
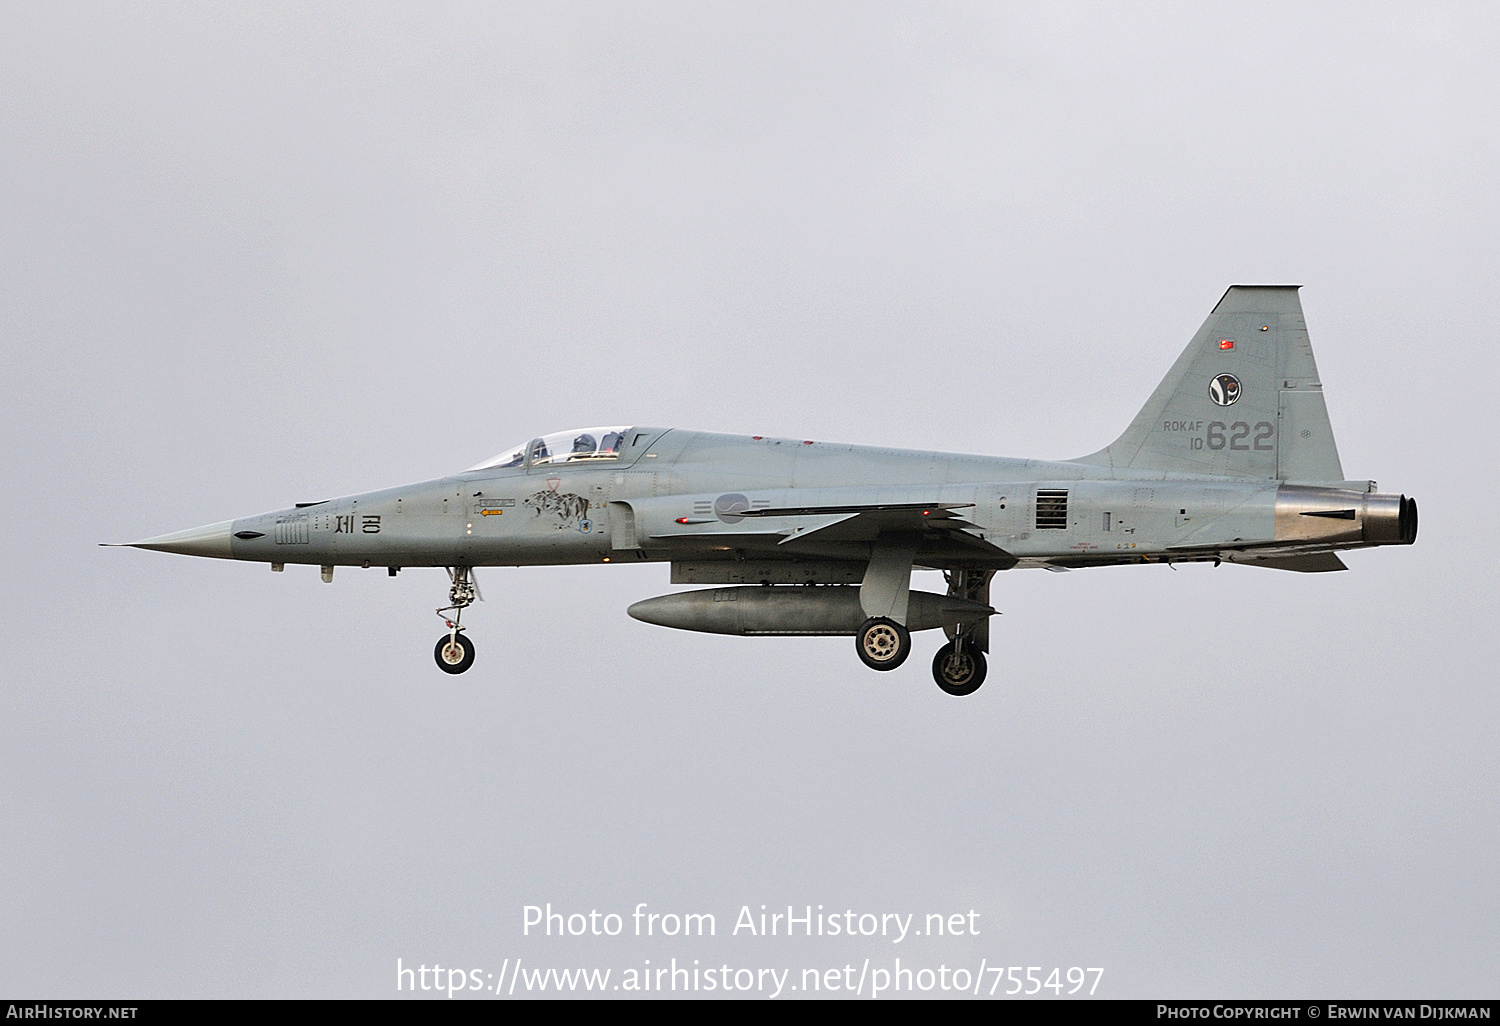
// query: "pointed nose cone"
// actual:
[[212, 540]]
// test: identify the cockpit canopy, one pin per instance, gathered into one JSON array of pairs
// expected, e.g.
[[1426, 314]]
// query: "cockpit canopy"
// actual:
[[581, 445]]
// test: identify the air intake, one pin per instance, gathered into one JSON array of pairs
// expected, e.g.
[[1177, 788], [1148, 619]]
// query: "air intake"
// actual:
[[1051, 509]]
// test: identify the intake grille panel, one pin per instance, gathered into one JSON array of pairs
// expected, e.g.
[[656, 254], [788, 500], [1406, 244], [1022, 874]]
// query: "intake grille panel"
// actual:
[[292, 529], [1051, 509]]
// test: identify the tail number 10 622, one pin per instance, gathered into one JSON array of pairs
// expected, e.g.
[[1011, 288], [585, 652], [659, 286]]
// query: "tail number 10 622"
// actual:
[[1239, 437]]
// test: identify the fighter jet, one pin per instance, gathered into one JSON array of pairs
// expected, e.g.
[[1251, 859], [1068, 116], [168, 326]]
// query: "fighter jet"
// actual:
[[1232, 459]]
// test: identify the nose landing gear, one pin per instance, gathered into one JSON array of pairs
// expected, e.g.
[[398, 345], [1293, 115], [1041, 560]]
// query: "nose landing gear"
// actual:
[[455, 652]]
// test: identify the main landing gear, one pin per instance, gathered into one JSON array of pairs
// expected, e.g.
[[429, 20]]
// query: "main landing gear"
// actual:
[[455, 652], [882, 643], [959, 667]]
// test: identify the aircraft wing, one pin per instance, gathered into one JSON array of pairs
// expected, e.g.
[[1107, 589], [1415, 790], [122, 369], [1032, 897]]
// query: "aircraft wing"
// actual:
[[940, 509], [846, 529], [868, 523], [944, 537]]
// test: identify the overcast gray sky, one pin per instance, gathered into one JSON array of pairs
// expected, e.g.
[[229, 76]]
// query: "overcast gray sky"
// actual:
[[254, 255]]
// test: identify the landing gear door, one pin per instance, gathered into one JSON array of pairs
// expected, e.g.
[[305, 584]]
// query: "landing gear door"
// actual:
[[973, 585]]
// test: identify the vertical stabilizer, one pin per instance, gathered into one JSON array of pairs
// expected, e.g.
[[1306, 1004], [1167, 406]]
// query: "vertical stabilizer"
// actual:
[[1243, 400]]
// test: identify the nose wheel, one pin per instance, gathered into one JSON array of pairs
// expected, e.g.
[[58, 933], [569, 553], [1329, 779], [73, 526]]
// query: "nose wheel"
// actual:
[[455, 652], [959, 667]]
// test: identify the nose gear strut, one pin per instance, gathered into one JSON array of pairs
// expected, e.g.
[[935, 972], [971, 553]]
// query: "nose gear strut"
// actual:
[[455, 652]]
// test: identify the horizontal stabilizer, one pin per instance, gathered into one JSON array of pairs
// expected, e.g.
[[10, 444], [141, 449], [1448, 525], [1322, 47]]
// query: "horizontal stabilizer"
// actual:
[[1316, 563]]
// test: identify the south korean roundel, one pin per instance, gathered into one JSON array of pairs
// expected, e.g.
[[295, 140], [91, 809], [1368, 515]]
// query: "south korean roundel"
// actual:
[[1224, 389]]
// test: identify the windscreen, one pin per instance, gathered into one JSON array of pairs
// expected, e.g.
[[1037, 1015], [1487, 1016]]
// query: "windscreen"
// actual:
[[509, 458]]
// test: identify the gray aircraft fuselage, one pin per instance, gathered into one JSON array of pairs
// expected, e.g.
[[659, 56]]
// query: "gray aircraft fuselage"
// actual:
[[660, 501], [1231, 460]]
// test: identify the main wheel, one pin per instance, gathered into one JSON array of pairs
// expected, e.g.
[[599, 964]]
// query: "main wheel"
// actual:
[[882, 644], [454, 654], [959, 673]]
